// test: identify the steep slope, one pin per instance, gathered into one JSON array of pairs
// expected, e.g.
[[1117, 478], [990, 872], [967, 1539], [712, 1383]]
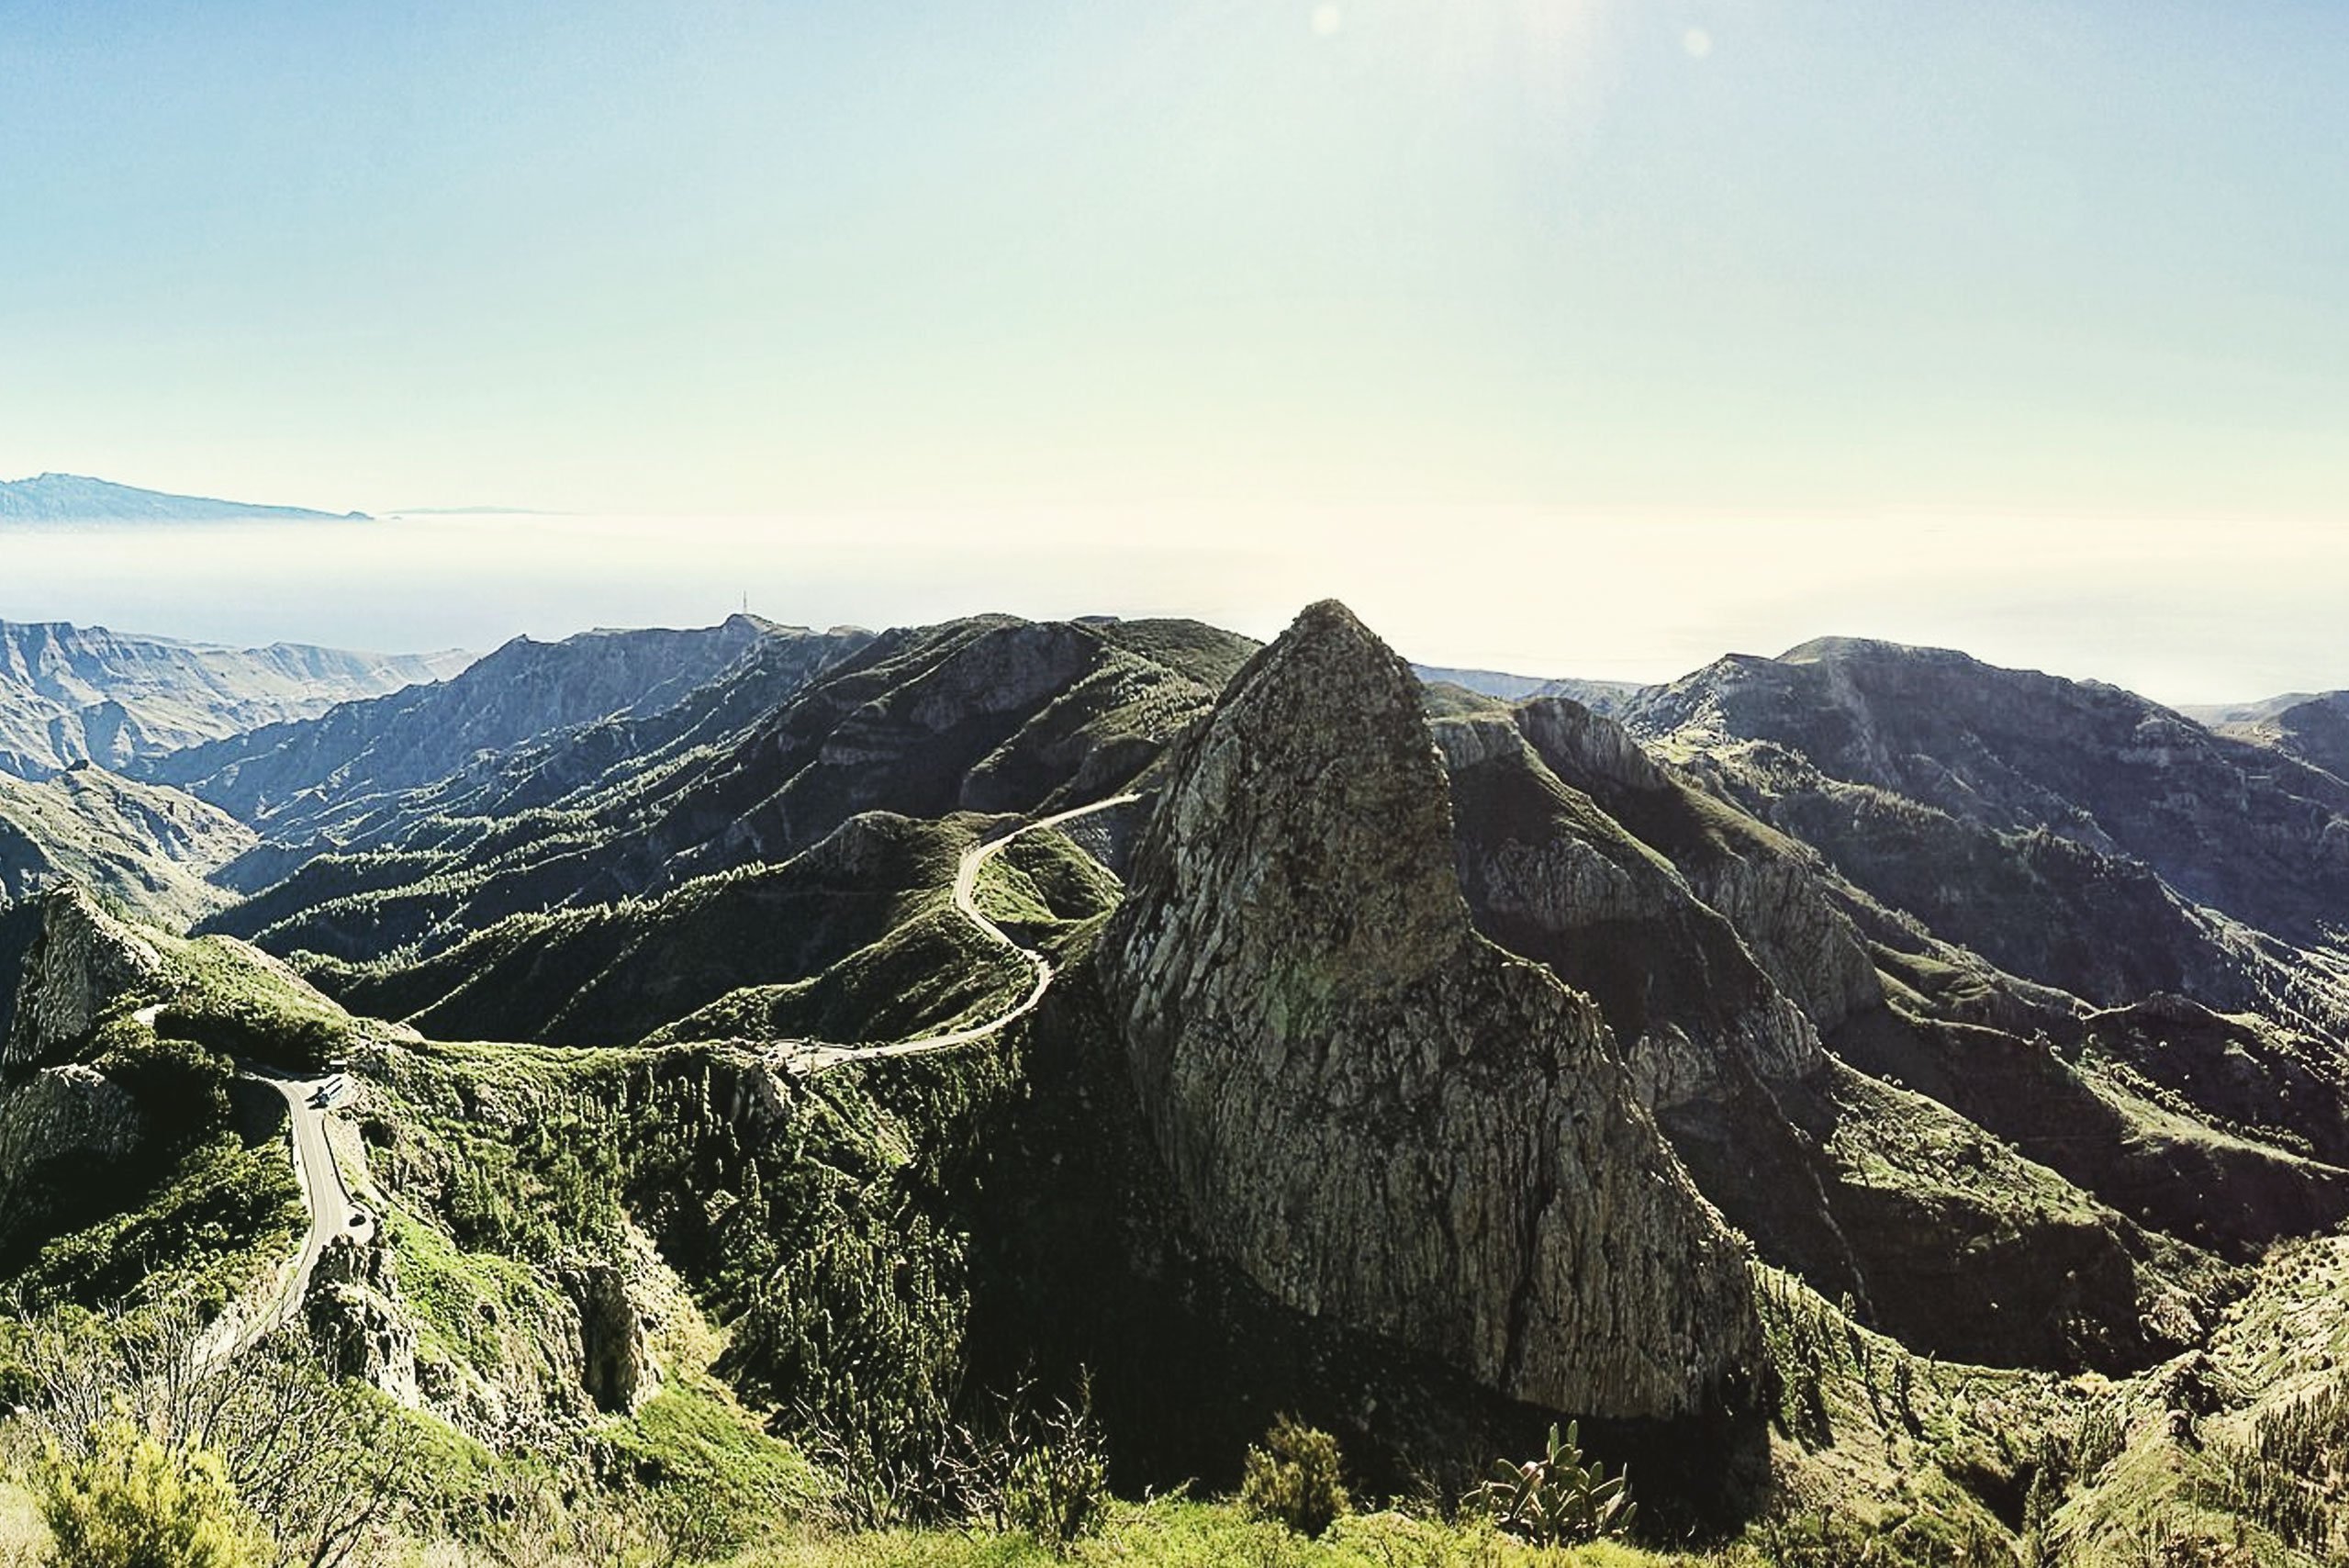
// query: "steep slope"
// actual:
[[1379, 1116], [1697, 928], [150, 848], [853, 940], [2074, 835], [298, 779], [2315, 730], [992, 715], [73, 498], [82, 693]]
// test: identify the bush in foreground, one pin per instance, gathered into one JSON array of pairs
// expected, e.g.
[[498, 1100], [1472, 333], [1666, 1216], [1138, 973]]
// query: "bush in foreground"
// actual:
[[1294, 1478], [131, 1503]]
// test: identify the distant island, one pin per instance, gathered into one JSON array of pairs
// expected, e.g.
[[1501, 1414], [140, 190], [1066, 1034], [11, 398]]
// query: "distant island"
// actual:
[[70, 497]]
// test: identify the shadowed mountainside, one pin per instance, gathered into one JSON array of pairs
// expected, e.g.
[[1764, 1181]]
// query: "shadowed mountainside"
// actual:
[[308, 778]]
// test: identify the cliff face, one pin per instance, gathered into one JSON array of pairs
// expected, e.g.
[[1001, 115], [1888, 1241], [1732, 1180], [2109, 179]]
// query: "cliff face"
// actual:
[[72, 694], [1379, 1116], [78, 962], [1553, 879], [66, 1112], [1774, 890]]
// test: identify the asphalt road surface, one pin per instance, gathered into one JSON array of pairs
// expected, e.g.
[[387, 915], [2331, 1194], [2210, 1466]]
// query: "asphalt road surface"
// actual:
[[813, 1056]]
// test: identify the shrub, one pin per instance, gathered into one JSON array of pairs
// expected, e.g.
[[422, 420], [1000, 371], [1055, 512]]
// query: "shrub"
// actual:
[[1294, 1478], [130, 1503], [1055, 1489], [1556, 1498]]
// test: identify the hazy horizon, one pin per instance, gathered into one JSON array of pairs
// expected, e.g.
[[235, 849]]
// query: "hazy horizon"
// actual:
[[1617, 601], [1561, 336]]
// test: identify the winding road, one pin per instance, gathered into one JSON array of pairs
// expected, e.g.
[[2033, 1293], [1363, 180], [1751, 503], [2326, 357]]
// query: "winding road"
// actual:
[[808, 1056], [335, 1212]]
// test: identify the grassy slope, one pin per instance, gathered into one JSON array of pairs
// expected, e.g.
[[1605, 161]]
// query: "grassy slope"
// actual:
[[206, 1201]]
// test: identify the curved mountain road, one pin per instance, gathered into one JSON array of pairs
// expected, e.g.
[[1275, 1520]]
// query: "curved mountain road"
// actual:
[[335, 1212], [808, 1057], [332, 1209]]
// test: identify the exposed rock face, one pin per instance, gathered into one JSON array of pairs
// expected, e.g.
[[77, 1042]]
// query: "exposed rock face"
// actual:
[[73, 1111], [614, 1363], [71, 694], [1772, 888], [1551, 878], [354, 1313], [1379, 1116], [81, 961]]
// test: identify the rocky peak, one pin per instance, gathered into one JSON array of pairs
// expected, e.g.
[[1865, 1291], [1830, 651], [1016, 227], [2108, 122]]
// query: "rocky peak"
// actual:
[[81, 959], [1318, 798], [1379, 1116]]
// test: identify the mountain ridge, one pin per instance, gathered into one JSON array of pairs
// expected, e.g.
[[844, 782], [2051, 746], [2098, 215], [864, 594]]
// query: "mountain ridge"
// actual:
[[1830, 1081], [72, 693], [79, 499]]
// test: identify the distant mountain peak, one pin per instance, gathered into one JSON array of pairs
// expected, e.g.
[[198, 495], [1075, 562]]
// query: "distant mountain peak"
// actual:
[[78, 499], [1835, 650]]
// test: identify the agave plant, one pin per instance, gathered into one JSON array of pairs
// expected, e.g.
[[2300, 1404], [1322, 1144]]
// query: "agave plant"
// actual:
[[1556, 1498]]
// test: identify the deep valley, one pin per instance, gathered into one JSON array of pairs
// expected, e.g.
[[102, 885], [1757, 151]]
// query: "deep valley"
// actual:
[[999, 1087]]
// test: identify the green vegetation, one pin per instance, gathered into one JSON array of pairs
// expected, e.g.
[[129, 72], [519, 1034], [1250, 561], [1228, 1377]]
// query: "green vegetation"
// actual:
[[219, 1216], [145, 1453], [232, 1000], [190, 1205], [1294, 1478], [1170, 1533], [128, 1502], [1042, 879], [1558, 1497]]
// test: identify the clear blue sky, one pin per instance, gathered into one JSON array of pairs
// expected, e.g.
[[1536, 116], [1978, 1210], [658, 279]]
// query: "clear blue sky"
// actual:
[[1197, 260]]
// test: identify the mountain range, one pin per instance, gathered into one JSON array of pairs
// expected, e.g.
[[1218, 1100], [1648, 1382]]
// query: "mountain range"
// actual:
[[1867, 1081], [74, 498], [72, 694]]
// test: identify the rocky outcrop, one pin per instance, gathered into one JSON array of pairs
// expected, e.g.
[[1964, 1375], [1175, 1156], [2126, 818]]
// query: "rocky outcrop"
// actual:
[[1552, 877], [615, 1363], [72, 1111], [1380, 1117], [81, 961], [1772, 888], [354, 1313]]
